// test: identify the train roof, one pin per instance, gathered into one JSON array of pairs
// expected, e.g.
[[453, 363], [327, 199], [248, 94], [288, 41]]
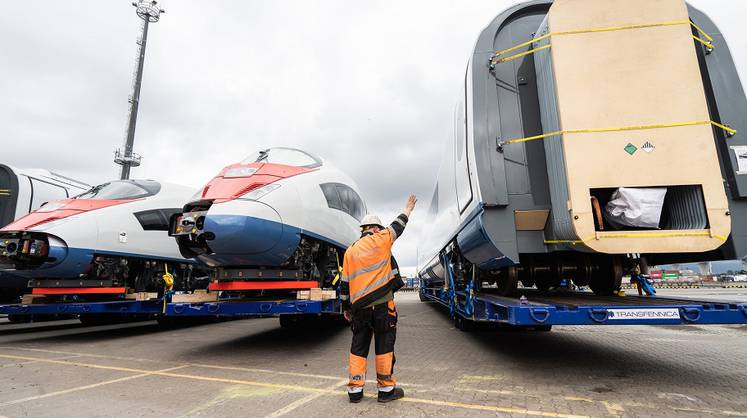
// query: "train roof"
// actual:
[[47, 176]]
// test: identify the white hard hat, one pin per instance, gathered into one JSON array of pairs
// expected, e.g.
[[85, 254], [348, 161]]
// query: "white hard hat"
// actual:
[[371, 220]]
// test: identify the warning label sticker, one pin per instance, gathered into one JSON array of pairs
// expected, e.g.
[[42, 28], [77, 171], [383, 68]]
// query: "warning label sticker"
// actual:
[[653, 313]]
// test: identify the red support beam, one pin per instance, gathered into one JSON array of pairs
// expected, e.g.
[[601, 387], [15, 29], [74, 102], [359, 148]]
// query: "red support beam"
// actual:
[[262, 285], [77, 290]]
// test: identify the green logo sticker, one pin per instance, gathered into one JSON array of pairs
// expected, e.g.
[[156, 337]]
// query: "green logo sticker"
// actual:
[[630, 148]]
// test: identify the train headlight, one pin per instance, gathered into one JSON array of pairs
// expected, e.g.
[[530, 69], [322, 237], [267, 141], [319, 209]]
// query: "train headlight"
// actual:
[[240, 172], [257, 194]]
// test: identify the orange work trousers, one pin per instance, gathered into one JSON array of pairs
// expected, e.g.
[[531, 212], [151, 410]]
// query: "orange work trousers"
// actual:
[[379, 322]]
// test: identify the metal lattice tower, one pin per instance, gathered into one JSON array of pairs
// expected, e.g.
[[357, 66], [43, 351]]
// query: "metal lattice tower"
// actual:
[[149, 12]]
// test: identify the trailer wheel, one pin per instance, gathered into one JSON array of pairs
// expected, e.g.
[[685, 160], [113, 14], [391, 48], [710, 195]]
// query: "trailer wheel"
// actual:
[[20, 318], [422, 296], [289, 321], [508, 281], [463, 324], [608, 279]]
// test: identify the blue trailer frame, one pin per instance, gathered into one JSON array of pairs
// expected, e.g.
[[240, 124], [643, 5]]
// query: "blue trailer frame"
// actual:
[[124, 307], [255, 308], [227, 308], [583, 308]]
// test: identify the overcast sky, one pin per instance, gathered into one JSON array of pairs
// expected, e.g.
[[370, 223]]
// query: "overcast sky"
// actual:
[[368, 85]]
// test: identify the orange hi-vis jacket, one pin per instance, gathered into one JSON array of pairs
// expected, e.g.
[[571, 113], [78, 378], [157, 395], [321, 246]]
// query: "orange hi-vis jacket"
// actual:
[[367, 270]]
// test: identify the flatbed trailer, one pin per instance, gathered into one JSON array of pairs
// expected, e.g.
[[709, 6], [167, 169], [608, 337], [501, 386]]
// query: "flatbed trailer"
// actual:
[[247, 308], [154, 309], [542, 310]]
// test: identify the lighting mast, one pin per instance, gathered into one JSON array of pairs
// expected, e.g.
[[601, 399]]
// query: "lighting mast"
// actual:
[[149, 12]]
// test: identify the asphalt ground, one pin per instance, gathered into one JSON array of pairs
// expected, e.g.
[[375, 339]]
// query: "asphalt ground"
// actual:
[[255, 368]]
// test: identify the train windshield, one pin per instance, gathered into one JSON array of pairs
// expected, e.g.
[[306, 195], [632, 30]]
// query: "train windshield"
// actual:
[[286, 156], [122, 190]]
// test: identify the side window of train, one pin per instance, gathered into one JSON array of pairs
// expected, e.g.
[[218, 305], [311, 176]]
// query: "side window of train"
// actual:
[[342, 197], [43, 192], [156, 219], [351, 202], [330, 193]]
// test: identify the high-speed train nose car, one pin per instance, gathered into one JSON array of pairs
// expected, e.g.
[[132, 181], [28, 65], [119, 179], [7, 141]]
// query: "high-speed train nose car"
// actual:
[[24, 190], [281, 214], [112, 237], [592, 138]]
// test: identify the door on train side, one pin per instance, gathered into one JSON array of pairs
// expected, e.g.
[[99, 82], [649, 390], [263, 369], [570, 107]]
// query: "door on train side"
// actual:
[[461, 160], [8, 195]]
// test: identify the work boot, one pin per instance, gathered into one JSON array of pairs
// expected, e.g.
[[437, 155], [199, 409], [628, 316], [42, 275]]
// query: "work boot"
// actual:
[[391, 395], [355, 397]]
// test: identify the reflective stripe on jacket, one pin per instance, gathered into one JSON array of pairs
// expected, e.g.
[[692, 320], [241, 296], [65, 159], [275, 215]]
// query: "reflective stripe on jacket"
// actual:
[[367, 268]]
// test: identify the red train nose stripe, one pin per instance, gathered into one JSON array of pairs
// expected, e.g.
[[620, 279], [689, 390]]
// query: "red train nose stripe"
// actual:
[[223, 188], [71, 207], [261, 285], [76, 290]]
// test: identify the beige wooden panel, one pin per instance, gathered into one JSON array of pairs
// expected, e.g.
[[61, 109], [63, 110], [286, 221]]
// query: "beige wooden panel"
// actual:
[[629, 78], [531, 220]]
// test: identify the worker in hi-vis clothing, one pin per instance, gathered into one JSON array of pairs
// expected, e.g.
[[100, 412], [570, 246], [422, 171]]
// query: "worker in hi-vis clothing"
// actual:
[[369, 279]]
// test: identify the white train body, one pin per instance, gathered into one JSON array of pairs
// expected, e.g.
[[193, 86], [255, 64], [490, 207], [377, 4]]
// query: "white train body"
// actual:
[[104, 233], [282, 208], [26, 189], [22, 191]]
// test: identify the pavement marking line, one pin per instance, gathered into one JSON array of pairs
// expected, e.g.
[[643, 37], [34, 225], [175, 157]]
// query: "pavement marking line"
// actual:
[[300, 402], [297, 388], [33, 361], [86, 387], [708, 411], [209, 366], [529, 395], [490, 408], [614, 409]]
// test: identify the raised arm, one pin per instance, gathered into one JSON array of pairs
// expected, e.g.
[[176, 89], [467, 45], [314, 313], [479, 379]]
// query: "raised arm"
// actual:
[[400, 222]]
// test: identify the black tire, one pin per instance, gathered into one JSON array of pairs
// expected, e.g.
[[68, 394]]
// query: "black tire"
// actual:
[[422, 296], [19, 318], [463, 324], [289, 321], [542, 286], [508, 281], [609, 278], [101, 319]]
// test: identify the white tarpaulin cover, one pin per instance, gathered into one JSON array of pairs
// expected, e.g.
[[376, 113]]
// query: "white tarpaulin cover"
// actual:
[[636, 207]]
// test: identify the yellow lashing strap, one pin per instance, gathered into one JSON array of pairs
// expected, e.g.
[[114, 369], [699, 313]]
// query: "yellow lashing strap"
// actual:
[[708, 41], [646, 235], [339, 270], [168, 284], [729, 130]]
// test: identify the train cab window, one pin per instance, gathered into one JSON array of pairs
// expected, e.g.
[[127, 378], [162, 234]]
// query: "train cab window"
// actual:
[[156, 219], [330, 193], [342, 197], [43, 192], [286, 156], [351, 202], [122, 190]]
